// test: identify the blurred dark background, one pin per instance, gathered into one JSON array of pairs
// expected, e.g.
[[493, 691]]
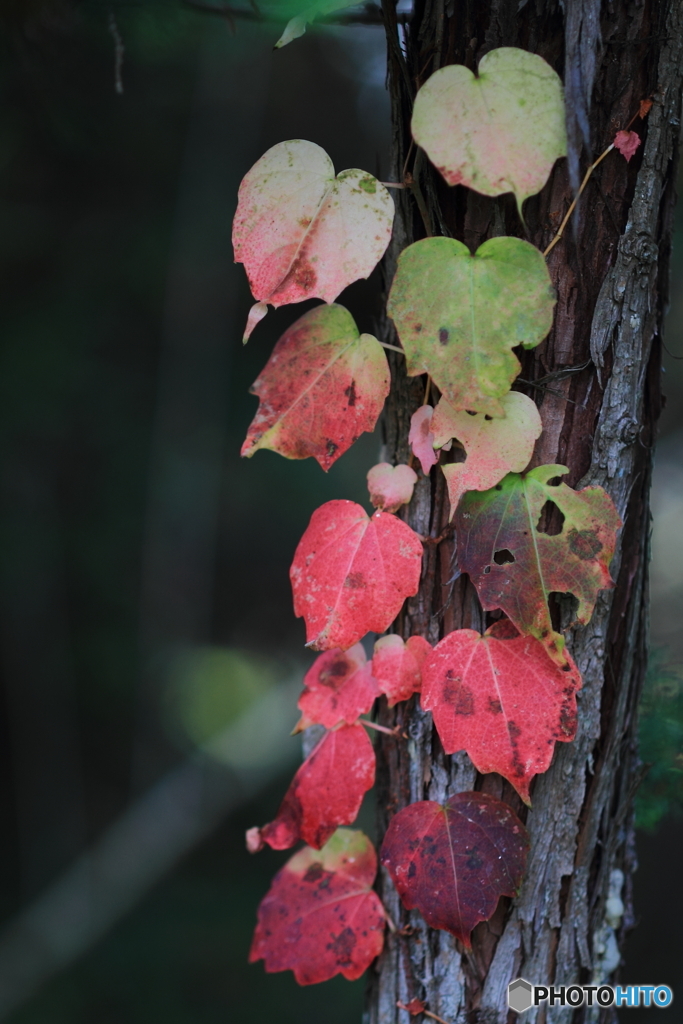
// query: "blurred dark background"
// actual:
[[150, 656]]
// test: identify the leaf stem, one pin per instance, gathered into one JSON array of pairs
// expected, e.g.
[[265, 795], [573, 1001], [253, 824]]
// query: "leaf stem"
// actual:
[[394, 348], [393, 184], [560, 230], [427, 1013], [395, 732]]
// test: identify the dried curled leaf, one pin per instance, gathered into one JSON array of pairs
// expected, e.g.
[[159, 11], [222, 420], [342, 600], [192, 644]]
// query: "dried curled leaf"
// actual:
[[494, 447], [515, 566], [397, 666], [391, 486], [326, 791], [321, 916], [303, 233], [459, 316], [501, 131], [421, 438], [352, 573], [502, 700], [339, 687], [323, 386], [454, 862]]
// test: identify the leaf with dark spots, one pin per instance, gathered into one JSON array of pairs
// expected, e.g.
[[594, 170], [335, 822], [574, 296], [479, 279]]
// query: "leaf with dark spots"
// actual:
[[338, 688], [351, 573], [472, 311], [326, 791], [574, 561], [397, 666], [322, 387], [303, 233], [391, 486], [469, 853], [317, 933]]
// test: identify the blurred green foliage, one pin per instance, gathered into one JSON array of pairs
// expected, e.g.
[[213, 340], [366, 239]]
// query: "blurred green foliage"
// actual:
[[661, 743]]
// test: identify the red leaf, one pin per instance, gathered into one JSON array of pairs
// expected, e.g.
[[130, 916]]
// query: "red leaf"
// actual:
[[323, 385], [453, 862], [339, 687], [414, 1007], [391, 486], [421, 438], [397, 666], [627, 143], [327, 791], [351, 574], [503, 701], [320, 916]]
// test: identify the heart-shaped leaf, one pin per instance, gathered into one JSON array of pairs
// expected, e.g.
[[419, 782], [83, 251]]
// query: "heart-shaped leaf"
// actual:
[[323, 385], [321, 916], [515, 566], [351, 574], [397, 666], [326, 791], [338, 688], [303, 233], [499, 132], [391, 486], [421, 438], [494, 447], [454, 862], [459, 316], [503, 701]]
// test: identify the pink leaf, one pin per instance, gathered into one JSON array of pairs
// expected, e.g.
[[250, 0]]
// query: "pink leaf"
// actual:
[[323, 385], [351, 574], [321, 916], [397, 666], [494, 447], [504, 701], [421, 438], [627, 143], [339, 687], [300, 232], [453, 862], [327, 791], [391, 486]]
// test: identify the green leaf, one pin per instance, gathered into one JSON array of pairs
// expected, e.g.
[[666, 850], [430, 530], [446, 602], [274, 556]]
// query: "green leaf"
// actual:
[[515, 566], [297, 25], [458, 315], [499, 132]]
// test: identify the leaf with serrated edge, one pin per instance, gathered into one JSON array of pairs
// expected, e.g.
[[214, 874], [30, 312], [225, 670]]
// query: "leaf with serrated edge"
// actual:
[[458, 316], [501, 131], [504, 521], [421, 438], [453, 862], [303, 233], [494, 447], [339, 687], [390, 486], [323, 386], [351, 573], [504, 701], [397, 666], [326, 791], [321, 916]]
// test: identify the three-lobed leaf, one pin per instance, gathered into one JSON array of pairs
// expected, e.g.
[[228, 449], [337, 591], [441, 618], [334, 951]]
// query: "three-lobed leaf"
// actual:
[[515, 566], [502, 700], [459, 315], [390, 486], [323, 386], [326, 791], [352, 573], [397, 666], [321, 916], [338, 688], [500, 131], [453, 862], [494, 447], [303, 233]]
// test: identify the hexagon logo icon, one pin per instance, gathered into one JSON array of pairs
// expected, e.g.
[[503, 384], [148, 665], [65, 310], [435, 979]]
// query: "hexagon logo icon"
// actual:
[[520, 995]]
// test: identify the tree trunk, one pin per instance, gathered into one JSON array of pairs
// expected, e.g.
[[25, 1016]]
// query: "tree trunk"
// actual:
[[596, 380]]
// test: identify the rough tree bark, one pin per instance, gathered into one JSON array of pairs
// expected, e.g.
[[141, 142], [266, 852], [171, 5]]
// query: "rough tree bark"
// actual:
[[596, 380]]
